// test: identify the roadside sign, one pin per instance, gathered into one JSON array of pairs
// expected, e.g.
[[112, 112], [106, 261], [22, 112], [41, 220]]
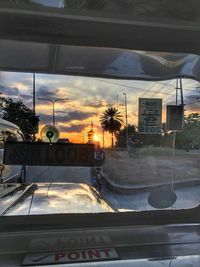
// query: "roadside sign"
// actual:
[[150, 115], [48, 154], [175, 118], [84, 255]]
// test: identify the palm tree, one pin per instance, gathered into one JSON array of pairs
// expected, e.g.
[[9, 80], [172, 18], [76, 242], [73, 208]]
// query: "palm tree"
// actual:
[[111, 121]]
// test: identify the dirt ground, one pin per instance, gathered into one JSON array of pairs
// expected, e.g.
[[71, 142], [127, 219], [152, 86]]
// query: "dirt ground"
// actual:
[[153, 166]]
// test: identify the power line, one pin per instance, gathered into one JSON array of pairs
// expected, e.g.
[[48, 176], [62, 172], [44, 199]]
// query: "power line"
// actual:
[[167, 90], [128, 86], [194, 102], [193, 108]]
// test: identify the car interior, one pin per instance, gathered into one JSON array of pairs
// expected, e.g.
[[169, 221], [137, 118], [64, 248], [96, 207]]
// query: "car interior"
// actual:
[[125, 195]]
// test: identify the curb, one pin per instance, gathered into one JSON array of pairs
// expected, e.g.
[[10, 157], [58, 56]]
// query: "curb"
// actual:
[[129, 190]]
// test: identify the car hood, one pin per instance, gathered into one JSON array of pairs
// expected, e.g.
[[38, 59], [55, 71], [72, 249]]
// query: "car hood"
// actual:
[[51, 198]]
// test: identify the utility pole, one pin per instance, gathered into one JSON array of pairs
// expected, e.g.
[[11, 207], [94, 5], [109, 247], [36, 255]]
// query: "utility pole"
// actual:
[[126, 116], [103, 140], [179, 86], [53, 103], [34, 103]]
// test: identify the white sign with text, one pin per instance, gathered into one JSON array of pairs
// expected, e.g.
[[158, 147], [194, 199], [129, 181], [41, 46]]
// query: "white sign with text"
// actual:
[[150, 115]]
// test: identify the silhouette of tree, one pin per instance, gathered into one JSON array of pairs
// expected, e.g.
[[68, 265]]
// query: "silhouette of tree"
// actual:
[[111, 121], [17, 113], [189, 138], [121, 135]]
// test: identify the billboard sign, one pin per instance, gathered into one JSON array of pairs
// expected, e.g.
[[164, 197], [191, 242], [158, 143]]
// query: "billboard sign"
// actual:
[[150, 115], [175, 118]]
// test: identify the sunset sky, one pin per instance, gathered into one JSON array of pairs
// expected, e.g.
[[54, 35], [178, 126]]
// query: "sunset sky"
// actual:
[[89, 97]]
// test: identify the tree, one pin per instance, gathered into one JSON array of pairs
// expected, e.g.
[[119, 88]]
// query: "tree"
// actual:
[[17, 113], [111, 121], [189, 138], [132, 134]]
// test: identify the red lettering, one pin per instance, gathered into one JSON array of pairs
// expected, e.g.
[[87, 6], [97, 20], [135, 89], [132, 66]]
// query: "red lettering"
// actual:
[[94, 253], [106, 252], [73, 255], [60, 255]]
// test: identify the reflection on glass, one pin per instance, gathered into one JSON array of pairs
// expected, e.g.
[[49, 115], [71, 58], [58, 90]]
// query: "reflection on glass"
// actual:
[[192, 261], [49, 3], [178, 11], [54, 198]]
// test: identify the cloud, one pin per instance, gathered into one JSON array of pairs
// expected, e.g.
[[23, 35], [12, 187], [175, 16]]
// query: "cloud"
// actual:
[[80, 115], [9, 91], [95, 103], [192, 100], [75, 115], [15, 94], [46, 92], [73, 128], [48, 119], [27, 97], [193, 97], [24, 80]]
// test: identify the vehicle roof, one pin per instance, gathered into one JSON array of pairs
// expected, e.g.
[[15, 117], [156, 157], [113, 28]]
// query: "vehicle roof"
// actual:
[[90, 41], [6, 125]]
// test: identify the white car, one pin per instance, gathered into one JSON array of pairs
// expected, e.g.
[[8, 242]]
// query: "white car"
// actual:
[[9, 132]]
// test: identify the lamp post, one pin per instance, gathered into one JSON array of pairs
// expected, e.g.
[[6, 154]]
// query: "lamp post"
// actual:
[[34, 102], [103, 140], [126, 116], [53, 103]]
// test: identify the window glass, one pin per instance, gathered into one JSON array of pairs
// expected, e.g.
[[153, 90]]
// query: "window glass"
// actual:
[[124, 9], [145, 137]]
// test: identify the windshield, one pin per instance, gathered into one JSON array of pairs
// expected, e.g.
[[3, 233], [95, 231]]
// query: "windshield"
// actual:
[[144, 135]]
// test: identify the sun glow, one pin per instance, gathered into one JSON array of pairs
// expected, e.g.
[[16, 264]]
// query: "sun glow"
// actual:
[[96, 137]]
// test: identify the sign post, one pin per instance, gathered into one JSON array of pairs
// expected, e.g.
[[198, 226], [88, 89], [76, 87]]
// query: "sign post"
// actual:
[[150, 115], [175, 118]]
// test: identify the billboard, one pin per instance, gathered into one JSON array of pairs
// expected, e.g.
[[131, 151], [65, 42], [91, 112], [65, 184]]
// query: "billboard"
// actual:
[[175, 118], [150, 115]]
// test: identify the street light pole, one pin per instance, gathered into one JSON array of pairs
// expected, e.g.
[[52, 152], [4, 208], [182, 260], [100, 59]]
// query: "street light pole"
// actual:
[[53, 105], [126, 116], [54, 123], [34, 102]]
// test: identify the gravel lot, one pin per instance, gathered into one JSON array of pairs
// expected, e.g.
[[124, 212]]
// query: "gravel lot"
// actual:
[[153, 166]]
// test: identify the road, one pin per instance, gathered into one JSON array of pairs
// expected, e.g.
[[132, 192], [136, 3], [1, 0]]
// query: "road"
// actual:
[[58, 174], [186, 197]]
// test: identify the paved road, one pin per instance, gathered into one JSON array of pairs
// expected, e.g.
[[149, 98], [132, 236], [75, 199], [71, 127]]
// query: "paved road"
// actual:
[[58, 174], [186, 197]]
